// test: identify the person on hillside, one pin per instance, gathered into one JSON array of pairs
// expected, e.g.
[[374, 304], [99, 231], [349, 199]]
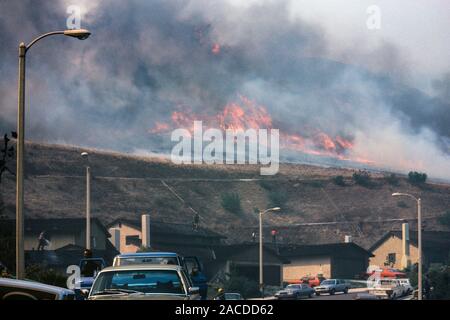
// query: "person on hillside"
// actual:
[[42, 242]]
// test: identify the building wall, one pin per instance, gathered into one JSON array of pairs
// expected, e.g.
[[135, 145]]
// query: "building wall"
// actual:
[[300, 267], [100, 238], [348, 267], [125, 231], [392, 245], [57, 241]]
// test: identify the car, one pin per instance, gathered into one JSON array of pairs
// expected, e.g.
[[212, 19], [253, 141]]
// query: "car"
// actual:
[[143, 282], [332, 286], [229, 296], [191, 265], [387, 288], [388, 273], [295, 291], [12, 289], [407, 287]]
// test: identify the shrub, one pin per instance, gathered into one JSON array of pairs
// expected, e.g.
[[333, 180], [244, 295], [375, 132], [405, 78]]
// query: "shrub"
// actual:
[[445, 219], [362, 178], [278, 198], [392, 179], [339, 180], [232, 202], [46, 275], [417, 177], [239, 283]]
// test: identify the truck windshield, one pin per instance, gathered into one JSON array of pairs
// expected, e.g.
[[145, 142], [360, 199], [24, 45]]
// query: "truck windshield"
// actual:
[[143, 281]]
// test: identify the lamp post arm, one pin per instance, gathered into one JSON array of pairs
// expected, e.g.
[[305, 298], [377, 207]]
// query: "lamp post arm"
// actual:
[[42, 37]]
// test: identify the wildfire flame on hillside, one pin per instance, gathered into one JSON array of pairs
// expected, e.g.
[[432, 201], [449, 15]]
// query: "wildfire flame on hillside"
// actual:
[[248, 115]]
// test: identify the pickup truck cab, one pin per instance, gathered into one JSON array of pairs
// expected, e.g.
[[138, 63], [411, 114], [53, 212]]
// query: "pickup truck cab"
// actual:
[[387, 289]]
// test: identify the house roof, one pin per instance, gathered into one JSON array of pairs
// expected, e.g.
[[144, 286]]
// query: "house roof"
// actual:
[[322, 249], [227, 250], [169, 228], [429, 238], [60, 225]]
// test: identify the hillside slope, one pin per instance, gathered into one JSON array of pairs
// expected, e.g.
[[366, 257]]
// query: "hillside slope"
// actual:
[[127, 186]]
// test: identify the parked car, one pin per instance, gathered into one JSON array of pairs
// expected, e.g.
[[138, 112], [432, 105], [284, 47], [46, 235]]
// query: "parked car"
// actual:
[[387, 289], [143, 282], [191, 265], [388, 273], [407, 287], [295, 291], [332, 286], [12, 289]]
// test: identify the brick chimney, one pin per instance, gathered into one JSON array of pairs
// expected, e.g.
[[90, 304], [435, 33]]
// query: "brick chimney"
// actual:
[[115, 237]]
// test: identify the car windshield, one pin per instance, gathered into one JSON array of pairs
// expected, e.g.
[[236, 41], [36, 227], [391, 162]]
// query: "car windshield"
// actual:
[[147, 260], [292, 286], [143, 281], [328, 282]]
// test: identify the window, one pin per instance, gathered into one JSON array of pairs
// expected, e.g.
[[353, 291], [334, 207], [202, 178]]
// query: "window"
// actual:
[[391, 258]]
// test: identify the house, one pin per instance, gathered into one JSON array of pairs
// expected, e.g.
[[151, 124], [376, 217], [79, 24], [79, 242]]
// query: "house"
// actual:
[[335, 260], [66, 241], [184, 239], [399, 249], [244, 260]]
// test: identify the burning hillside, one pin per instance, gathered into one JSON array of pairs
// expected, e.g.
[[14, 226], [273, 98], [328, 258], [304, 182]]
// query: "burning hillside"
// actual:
[[247, 114]]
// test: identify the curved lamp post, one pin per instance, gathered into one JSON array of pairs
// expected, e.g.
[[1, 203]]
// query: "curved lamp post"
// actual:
[[23, 49], [261, 265], [419, 237]]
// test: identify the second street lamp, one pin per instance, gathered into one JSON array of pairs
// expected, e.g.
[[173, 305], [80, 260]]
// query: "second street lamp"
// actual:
[[85, 156], [261, 263], [419, 238], [23, 49]]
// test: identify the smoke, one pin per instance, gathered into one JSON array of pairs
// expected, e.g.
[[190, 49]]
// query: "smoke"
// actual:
[[146, 59]]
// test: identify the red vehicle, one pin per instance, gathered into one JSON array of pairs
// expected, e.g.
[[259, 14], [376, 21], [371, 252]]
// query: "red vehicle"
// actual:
[[388, 273], [312, 281]]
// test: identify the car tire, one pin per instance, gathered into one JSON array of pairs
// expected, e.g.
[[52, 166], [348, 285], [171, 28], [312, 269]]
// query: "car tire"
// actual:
[[310, 295], [317, 294], [332, 292], [345, 291]]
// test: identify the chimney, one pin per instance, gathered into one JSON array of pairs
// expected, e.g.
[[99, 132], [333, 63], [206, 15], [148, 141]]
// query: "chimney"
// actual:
[[115, 237], [145, 220], [348, 239], [406, 261]]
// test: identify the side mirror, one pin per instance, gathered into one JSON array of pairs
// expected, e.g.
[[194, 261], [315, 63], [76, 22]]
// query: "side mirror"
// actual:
[[84, 293], [194, 290]]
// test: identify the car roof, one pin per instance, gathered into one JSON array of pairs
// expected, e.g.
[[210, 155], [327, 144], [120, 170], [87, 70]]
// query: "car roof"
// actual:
[[144, 267], [28, 284], [155, 254]]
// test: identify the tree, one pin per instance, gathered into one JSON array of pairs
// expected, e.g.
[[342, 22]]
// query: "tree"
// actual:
[[417, 177], [362, 178], [7, 153], [392, 179], [339, 180]]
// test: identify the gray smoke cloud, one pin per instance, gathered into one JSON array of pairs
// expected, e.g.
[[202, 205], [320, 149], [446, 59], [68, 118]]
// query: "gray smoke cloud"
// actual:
[[146, 59]]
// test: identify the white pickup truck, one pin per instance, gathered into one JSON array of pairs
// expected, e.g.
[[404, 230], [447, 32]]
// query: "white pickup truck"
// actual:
[[387, 288]]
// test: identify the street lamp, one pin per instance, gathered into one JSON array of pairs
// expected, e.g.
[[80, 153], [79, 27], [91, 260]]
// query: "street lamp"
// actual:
[[85, 156], [261, 266], [419, 237], [23, 49]]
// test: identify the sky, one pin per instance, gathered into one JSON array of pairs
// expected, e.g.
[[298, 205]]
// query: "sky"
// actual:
[[313, 66]]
